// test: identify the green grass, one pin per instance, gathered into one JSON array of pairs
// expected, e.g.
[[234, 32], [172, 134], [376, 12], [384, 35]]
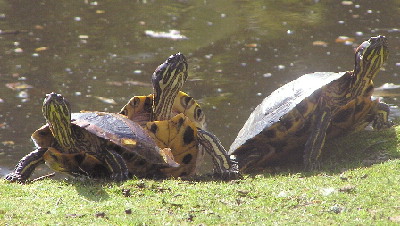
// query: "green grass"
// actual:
[[358, 184]]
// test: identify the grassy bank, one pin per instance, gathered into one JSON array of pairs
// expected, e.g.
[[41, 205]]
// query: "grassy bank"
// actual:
[[358, 184]]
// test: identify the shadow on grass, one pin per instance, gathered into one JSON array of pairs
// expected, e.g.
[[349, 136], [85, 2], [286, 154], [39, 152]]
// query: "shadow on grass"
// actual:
[[361, 149], [90, 189], [355, 150]]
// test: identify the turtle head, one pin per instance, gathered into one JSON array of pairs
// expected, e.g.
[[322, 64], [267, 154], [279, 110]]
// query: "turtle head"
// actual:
[[167, 81], [371, 54], [369, 58], [57, 113]]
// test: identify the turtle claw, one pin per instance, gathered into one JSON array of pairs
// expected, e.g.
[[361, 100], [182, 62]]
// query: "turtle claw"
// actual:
[[379, 124], [14, 177], [231, 174]]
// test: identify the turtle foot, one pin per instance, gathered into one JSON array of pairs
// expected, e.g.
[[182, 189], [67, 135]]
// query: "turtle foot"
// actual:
[[119, 177], [14, 177], [312, 166], [228, 175]]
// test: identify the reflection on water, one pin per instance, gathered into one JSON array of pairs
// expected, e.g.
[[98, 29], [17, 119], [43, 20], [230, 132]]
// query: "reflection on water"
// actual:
[[98, 55]]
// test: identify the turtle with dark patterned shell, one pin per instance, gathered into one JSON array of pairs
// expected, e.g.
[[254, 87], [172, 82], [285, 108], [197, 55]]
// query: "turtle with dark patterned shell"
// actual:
[[294, 121], [93, 144]]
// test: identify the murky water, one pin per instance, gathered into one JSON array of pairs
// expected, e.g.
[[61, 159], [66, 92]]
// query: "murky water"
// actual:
[[100, 53]]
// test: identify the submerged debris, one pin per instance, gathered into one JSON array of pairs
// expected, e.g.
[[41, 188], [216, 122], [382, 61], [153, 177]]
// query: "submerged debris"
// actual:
[[320, 43], [171, 34], [18, 85], [344, 39], [106, 100]]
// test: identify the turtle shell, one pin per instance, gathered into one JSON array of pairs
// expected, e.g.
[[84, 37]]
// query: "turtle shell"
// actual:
[[300, 94], [120, 131], [281, 125], [141, 154], [180, 135]]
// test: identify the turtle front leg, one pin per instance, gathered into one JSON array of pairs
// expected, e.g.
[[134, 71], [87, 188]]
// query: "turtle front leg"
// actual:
[[316, 139], [225, 167], [25, 167], [117, 166], [381, 119]]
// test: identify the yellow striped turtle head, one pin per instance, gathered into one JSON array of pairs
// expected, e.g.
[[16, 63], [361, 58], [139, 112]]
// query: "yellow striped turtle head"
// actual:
[[167, 81], [369, 58], [57, 112], [371, 54]]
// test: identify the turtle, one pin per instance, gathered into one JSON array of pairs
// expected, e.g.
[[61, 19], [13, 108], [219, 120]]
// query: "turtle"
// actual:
[[176, 121], [293, 122], [93, 144]]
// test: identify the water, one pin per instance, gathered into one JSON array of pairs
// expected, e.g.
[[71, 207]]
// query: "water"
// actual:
[[100, 53]]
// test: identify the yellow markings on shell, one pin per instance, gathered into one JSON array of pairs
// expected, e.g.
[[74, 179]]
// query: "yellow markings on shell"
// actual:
[[134, 106], [128, 142], [180, 135], [171, 134]]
